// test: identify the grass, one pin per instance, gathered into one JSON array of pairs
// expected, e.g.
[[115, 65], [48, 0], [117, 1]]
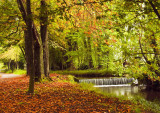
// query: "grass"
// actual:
[[87, 73], [155, 105], [6, 71], [17, 72]]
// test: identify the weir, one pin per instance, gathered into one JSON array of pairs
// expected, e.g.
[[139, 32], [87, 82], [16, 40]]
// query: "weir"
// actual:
[[109, 81]]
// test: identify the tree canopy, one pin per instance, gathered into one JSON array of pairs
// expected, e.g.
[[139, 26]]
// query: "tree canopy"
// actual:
[[117, 35]]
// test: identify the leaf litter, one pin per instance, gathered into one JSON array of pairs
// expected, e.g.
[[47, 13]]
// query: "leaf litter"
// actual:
[[58, 97]]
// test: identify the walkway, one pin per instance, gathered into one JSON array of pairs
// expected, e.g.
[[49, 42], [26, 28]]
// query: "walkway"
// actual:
[[6, 75]]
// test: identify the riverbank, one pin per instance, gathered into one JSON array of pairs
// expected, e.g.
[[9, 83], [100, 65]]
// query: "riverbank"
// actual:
[[88, 73], [61, 95]]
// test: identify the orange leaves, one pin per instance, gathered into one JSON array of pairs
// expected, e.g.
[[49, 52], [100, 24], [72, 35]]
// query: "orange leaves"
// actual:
[[79, 13], [89, 32], [113, 40], [105, 41], [56, 97], [110, 23], [95, 43]]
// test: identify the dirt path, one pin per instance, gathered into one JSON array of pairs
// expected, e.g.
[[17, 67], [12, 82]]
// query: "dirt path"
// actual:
[[6, 75]]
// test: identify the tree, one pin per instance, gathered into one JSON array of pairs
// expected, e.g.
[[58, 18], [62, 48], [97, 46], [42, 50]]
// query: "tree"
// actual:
[[33, 44], [90, 34], [29, 24], [10, 33], [135, 28], [44, 36], [143, 23]]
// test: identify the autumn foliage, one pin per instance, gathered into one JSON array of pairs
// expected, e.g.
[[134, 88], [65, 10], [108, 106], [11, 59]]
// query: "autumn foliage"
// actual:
[[57, 97]]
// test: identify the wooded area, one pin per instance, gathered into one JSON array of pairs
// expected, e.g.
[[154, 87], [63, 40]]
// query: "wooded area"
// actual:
[[119, 36]]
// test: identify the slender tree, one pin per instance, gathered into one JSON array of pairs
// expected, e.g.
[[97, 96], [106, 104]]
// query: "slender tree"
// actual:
[[44, 36], [29, 24]]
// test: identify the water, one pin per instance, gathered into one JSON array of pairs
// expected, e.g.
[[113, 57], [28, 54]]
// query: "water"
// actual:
[[109, 81], [122, 87], [121, 90]]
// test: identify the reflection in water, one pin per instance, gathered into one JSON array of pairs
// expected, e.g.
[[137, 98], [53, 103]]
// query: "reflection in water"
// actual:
[[130, 91], [151, 95], [120, 90]]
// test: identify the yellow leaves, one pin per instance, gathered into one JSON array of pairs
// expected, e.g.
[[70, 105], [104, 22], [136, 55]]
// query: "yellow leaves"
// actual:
[[158, 78], [12, 53]]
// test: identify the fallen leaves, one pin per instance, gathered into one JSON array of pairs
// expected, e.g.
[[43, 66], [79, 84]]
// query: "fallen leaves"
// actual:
[[57, 97]]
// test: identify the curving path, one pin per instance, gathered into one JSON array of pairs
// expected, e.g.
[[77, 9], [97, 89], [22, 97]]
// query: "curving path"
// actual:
[[6, 75]]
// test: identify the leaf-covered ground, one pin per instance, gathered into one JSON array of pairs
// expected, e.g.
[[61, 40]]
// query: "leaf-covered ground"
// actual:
[[58, 97]]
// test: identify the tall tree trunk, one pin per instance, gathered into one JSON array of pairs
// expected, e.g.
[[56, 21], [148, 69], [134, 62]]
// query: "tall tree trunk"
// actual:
[[37, 61], [44, 36], [26, 14], [37, 54], [9, 64], [27, 52], [30, 48]]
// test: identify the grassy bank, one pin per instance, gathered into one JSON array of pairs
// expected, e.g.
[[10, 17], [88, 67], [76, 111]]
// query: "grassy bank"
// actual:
[[88, 73]]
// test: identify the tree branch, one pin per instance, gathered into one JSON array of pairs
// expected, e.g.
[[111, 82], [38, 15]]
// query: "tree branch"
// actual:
[[22, 10], [154, 8], [22, 50], [146, 59], [24, 16], [146, 53], [12, 32]]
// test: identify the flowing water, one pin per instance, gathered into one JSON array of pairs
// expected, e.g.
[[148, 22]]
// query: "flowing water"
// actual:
[[108, 81], [121, 87]]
